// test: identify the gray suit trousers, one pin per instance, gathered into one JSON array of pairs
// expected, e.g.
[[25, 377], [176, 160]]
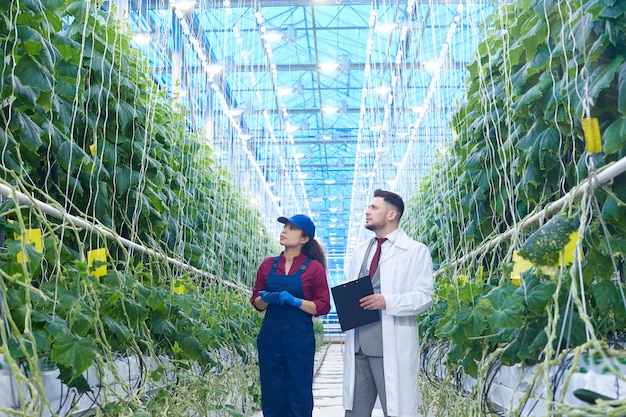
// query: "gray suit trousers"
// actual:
[[370, 381]]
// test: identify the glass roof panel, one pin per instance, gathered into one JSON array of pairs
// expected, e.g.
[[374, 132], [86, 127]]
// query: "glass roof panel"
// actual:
[[322, 139]]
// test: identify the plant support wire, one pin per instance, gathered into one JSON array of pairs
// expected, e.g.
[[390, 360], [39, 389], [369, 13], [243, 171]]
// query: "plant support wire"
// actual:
[[78, 222], [601, 177]]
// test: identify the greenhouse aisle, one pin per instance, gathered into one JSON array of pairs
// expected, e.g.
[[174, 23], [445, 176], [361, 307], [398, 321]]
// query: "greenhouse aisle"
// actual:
[[327, 385]]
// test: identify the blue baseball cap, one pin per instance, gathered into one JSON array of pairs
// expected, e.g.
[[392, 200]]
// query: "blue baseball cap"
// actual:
[[301, 221]]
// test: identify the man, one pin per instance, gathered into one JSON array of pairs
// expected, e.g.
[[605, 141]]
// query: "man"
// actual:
[[382, 358]]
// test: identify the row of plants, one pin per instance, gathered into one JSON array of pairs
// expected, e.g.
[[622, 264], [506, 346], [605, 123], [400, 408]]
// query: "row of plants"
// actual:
[[85, 129], [543, 70]]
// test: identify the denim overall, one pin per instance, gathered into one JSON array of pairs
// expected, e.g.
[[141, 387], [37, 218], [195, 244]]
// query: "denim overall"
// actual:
[[286, 346]]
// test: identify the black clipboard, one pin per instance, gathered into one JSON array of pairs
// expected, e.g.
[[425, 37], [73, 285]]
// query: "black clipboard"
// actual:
[[349, 310]]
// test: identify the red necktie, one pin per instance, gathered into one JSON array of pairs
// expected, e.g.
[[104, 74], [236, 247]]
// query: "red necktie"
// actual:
[[376, 258]]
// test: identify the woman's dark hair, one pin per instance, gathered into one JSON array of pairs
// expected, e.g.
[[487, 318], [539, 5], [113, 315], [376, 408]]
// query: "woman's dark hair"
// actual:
[[393, 199], [314, 250]]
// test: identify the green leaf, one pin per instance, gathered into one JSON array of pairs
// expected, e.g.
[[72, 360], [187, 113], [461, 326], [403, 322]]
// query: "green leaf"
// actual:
[[162, 327], [614, 138], [192, 347], [30, 135], [26, 94], [478, 319], [534, 340], [125, 113], [136, 313], [509, 355], [125, 179], [621, 89], [535, 92], [70, 156], [120, 330], [56, 326], [73, 352], [36, 46], [507, 315], [32, 74], [603, 76], [78, 9], [205, 335], [74, 381], [606, 295]]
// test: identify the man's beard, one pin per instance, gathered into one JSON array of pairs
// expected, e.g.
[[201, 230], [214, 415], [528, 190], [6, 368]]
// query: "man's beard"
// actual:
[[372, 227]]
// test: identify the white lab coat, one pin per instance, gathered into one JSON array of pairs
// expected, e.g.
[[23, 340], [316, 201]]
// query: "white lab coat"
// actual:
[[406, 281]]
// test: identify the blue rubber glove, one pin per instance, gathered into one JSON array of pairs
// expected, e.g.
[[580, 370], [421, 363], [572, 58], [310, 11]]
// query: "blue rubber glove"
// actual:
[[270, 297], [287, 299]]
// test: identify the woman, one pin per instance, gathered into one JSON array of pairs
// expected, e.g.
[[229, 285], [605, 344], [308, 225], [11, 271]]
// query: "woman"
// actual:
[[291, 288]]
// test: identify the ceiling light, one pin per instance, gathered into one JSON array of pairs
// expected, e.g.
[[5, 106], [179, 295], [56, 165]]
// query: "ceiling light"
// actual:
[[273, 36], [433, 66], [291, 129], [245, 136], [327, 137], [235, 112], [329, 182], [385, 27], [141, 38], [330, 109], [376, 128], [382, 90], [329, 66], [214, 68], [283, 91], [183, 4]]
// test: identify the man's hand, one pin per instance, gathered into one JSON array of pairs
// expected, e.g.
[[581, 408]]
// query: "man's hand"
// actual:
[[373, 302]]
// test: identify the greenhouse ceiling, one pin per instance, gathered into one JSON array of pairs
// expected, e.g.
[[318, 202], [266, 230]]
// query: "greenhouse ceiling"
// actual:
[[312, 105]]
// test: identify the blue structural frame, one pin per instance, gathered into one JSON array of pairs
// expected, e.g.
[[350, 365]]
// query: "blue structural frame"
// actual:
[[300, 137]]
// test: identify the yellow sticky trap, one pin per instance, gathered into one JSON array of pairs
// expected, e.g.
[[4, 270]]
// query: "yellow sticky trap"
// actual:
[[93, 149], [30, 236], [519, 265], [97, 255], [179, 286], [593, 140], [566, 256]]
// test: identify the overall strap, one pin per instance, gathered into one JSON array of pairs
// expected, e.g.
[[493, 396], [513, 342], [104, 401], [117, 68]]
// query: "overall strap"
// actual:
[[274, 265], [304, 265]]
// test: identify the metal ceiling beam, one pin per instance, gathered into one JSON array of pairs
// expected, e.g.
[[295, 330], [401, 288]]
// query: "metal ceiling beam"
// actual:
[[211, 4], [356, 66], [349, 110]]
